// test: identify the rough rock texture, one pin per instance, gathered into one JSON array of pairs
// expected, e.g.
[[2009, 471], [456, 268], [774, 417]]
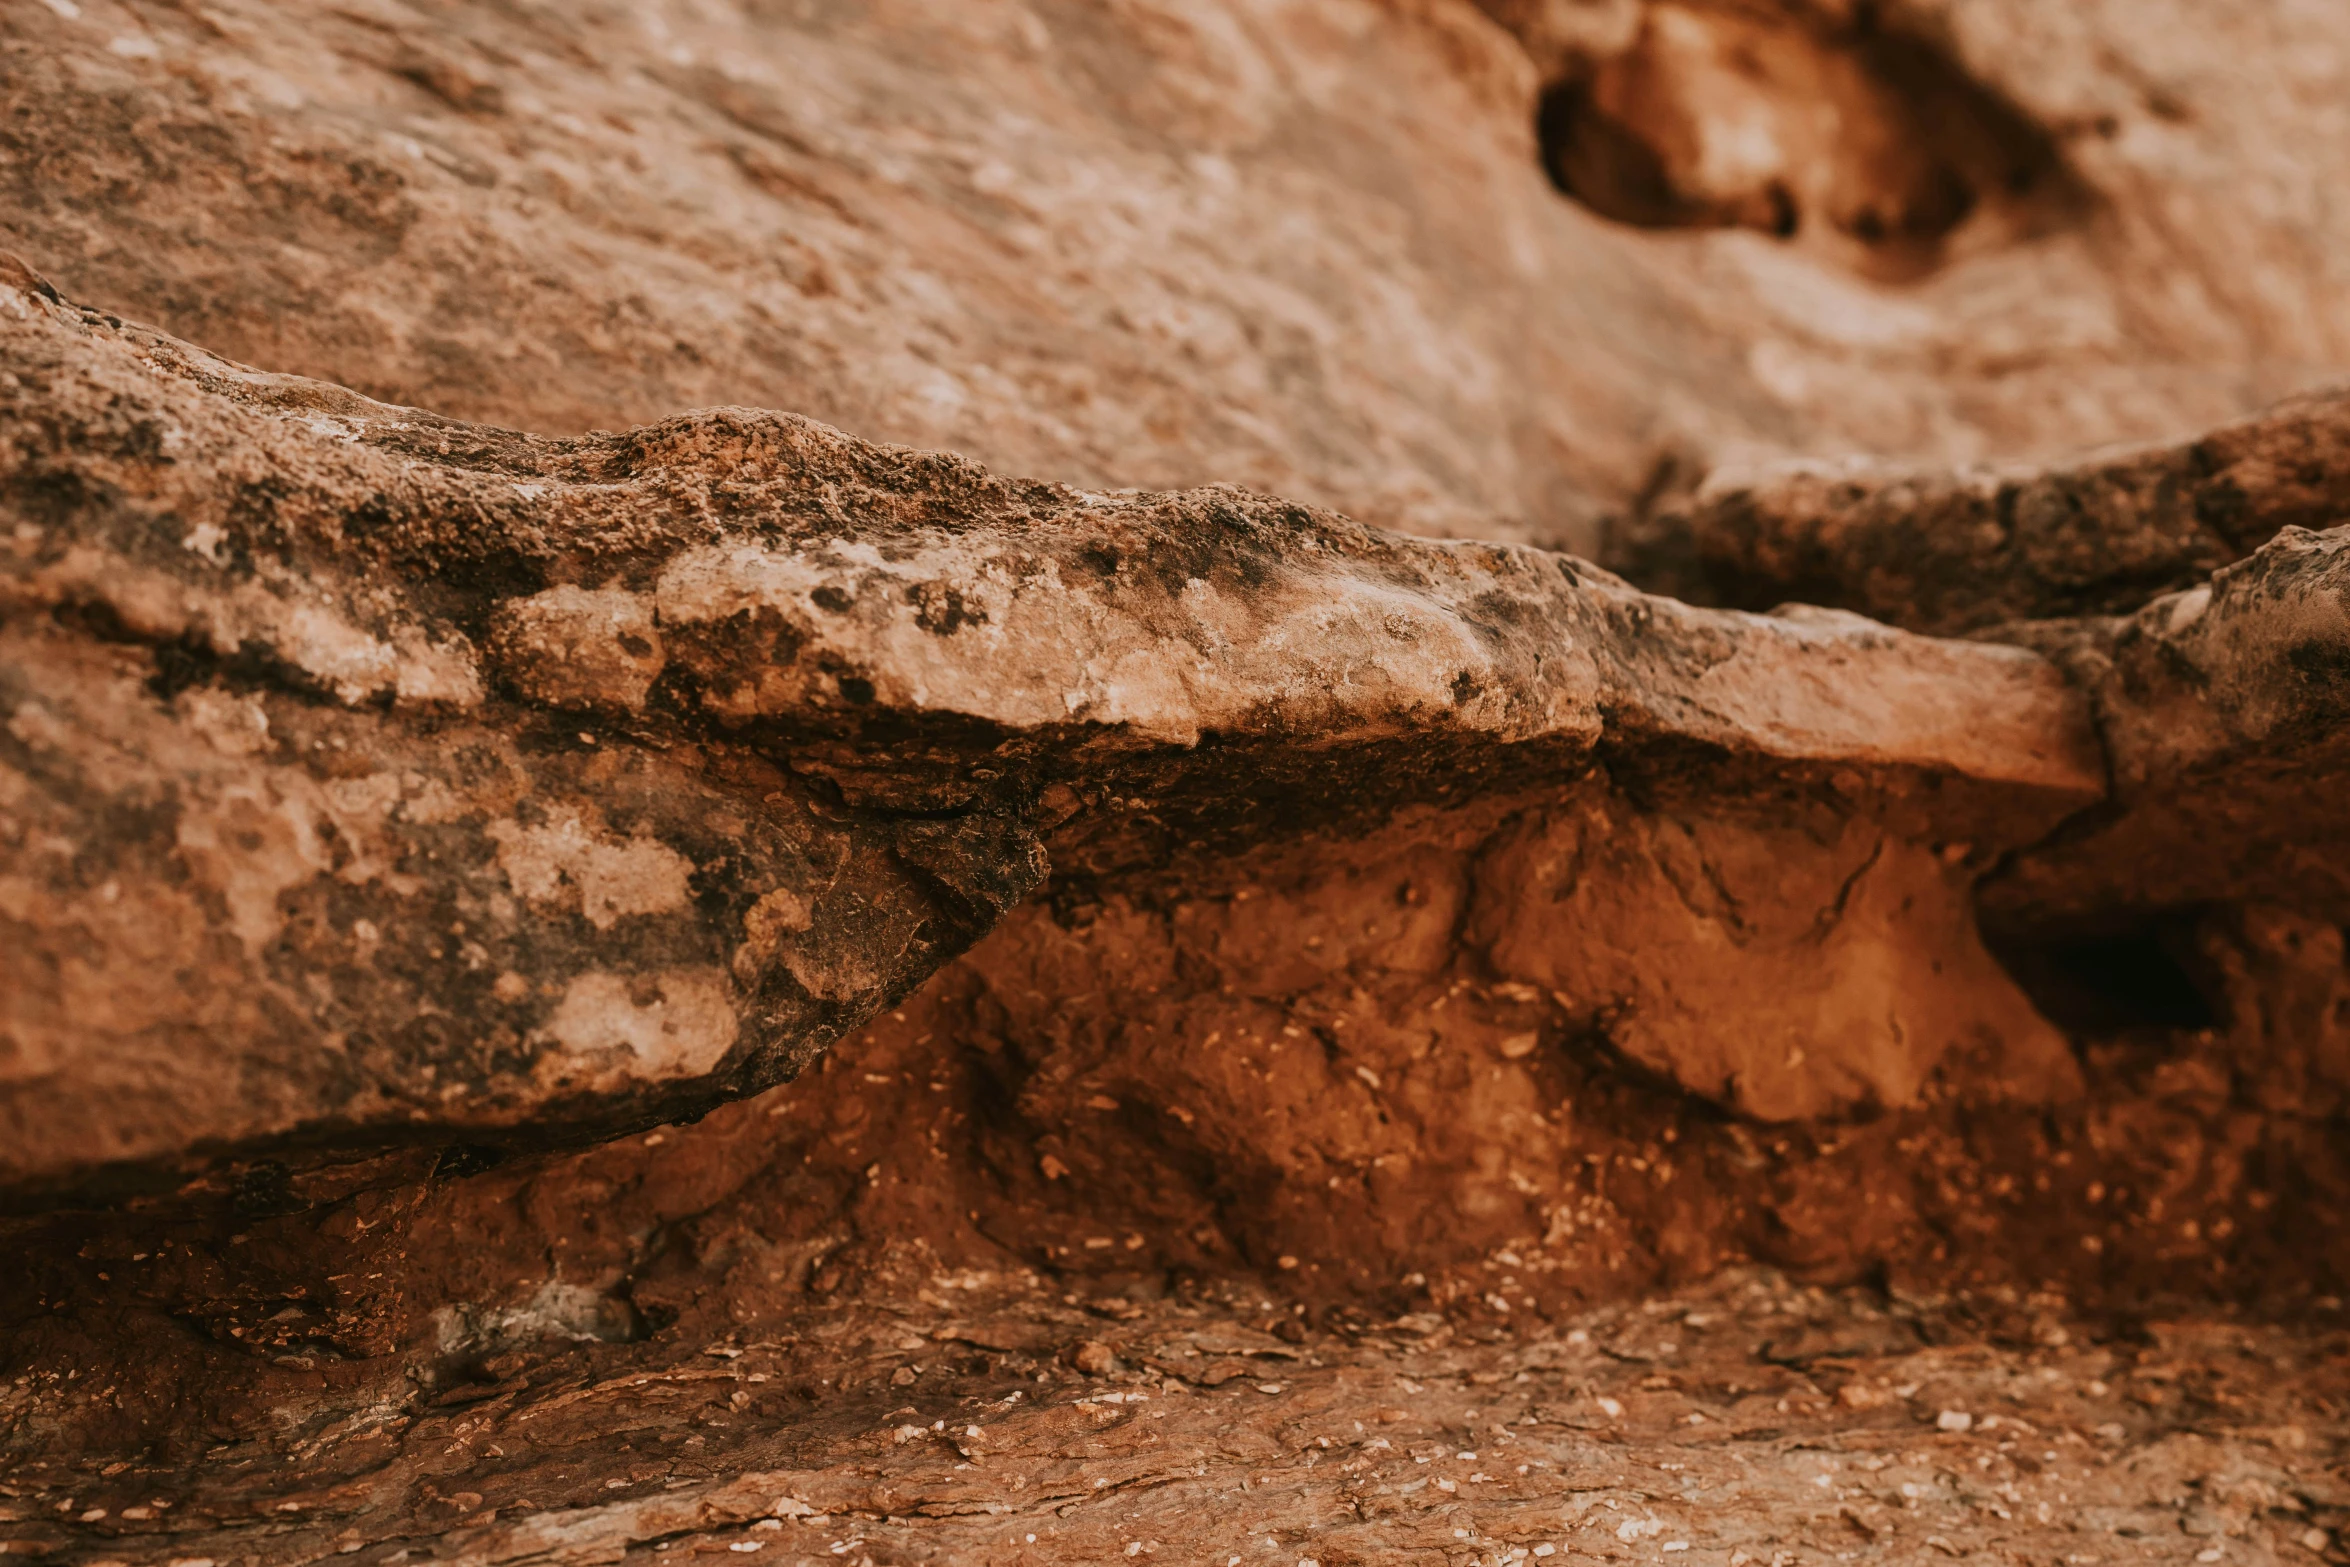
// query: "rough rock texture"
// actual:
[[374, 772], [730, 989], [661, 1342], [1953, 551], [2222, 709], [942, 1422], [289, 857], [1448, 932], [1307, 246]]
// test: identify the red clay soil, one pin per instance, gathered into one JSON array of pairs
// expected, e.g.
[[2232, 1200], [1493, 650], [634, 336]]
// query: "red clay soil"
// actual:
[[2105, 1331]]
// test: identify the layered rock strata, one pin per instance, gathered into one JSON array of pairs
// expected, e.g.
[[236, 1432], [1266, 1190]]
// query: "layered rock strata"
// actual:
[[380, 778], [1173, 1019], [1957, 550]]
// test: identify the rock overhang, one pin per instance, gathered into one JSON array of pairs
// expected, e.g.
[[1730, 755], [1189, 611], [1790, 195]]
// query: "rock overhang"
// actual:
[[512, 787]]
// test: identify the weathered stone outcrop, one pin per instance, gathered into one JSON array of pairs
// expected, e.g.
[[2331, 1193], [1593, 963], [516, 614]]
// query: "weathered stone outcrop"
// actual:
[[1306, 246], [379, 777], [727, 988], [322, 824], [2194, 593], [2223, 710], [1952, 551]]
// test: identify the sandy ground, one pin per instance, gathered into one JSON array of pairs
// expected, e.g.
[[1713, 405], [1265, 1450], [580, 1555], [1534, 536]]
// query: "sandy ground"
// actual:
[[990, 1418]]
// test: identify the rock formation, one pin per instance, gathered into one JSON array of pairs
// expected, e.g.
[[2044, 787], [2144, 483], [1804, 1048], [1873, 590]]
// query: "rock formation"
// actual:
[[733, 986], [1958, 551], [383, 777], [1305, 246]]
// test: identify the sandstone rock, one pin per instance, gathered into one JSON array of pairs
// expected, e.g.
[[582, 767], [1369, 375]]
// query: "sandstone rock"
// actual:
[[305, 845], [1785, 967], [1957, 550], [378, 776], [1307, 246], [2221, 709], [1349, 958]]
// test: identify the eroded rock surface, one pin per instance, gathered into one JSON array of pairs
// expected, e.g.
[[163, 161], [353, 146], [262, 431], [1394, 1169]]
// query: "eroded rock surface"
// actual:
[[1271, 1025], [1308, 246], [1750, 1415], [377, 772], [1955, 551], [796, 1308], [2223, 712]]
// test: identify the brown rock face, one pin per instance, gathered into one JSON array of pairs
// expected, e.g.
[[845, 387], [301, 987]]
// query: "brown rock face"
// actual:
[[1854, 137], [315, 827], [386, 777], [1955, 552], [730, 987], [1307, 246], [2222, 708], [1753, 962]]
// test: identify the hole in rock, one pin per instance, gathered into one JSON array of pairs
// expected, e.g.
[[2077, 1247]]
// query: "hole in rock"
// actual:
[[2107, 982], [1846, 136]]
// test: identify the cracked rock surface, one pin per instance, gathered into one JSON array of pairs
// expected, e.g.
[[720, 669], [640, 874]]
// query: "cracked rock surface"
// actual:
[[1451, 933], [733, 989], [1306, 246], [386, 778], [1953, 552]]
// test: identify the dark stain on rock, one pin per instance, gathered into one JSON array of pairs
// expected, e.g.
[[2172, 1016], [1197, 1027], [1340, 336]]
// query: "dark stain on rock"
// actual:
[[942, 610]]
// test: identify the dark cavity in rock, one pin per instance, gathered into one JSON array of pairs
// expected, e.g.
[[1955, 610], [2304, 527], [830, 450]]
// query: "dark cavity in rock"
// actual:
[[1853, 138]]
